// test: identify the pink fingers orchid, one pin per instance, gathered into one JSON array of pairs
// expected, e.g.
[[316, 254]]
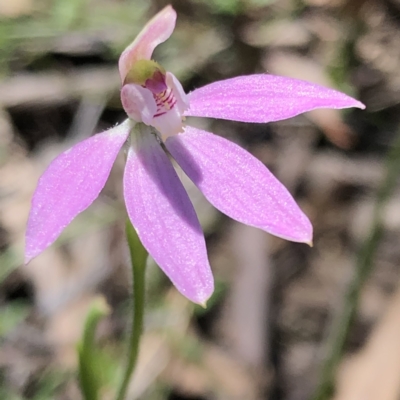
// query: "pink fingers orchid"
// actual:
[[157, 204]]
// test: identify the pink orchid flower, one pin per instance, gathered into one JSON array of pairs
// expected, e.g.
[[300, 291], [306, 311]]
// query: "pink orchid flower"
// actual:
[[158, 206]]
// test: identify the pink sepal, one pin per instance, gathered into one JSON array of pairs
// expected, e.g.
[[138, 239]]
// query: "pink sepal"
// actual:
[[263, 98], [161, 212], [238, 184], [69, 185], [156, 31]]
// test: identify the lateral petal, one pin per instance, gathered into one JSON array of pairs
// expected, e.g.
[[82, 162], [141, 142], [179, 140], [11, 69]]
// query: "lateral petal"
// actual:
[[138, 103], [263, 98], [182, 100], [238, 184], [69, 185], [156, 31], [161, 212]]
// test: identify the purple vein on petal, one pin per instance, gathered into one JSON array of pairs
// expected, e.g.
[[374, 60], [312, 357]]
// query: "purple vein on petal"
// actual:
[[263, 98], [161, 212], [238, 184], [69, 185]]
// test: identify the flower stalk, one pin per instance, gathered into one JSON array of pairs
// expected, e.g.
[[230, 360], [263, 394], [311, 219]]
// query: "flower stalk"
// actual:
[[138, 262]]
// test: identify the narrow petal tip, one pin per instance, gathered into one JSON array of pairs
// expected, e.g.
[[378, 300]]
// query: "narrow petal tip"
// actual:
[[298, 227], [358, 104], [202, 293]]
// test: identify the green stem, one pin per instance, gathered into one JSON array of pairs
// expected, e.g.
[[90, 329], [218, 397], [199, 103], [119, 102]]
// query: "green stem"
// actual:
[[138, 261], [363, 268]]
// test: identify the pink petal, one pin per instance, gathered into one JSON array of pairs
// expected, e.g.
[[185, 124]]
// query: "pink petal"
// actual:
[[238, 184], [156, 31], [69, 185], [264, 98], [162, 214], [138, 103]]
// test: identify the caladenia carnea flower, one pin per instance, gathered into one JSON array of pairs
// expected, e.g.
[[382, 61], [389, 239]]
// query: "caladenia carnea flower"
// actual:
[[158, 206]]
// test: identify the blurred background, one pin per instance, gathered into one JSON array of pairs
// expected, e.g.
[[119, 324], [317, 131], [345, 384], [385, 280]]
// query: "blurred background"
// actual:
[[287, 322]]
